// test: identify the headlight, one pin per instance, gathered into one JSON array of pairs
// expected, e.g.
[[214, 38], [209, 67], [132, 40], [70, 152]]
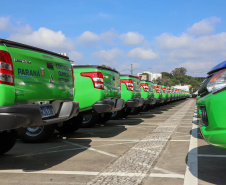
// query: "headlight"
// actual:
[[217, 82]]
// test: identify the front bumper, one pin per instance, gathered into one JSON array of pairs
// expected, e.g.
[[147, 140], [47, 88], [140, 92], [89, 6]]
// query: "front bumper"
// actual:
[[108, 105], [17, 116], [215, 137], [135, 102]]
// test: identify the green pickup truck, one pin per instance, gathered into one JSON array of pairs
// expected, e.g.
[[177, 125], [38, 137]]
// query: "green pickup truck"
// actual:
[[97, 89], [164, 94], [147, 93], [36, 90], [169, 91], [130, 92], [212, 107], [157, 94]]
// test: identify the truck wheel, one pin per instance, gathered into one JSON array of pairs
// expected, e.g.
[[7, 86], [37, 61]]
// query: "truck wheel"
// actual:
[[123, 113], [90, 118], [135, 110], [71, 125], [37, 134], [104, 117], [7, 141], [116, 115], [145, 108]]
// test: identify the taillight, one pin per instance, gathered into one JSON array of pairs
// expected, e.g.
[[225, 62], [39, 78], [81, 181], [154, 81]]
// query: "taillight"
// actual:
[[129, 84], [6, 68], [97, 78], [164, 89], [145, 86], [157, 89], [72, 70]]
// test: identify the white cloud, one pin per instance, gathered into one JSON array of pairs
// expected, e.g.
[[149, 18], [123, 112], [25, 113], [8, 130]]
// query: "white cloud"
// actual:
[[88, 38], [45, 38], [189, 47], [131, 38], [204, 27], [7, 26], [170, 42], [108, 37], [140, 53], [75, 56], [125, 68], [108, 55], [198, 66]]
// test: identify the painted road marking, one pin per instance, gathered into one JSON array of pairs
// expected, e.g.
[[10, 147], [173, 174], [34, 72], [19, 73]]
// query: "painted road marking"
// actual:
[[191, 174], [160, 175], [90, 148], [129, 164], [207, 155], [51, 172], [180, 140], [88, 173]]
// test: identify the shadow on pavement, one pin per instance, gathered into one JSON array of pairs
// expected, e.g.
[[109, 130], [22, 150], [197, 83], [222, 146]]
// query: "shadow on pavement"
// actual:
[[210, 169], [41, 156]]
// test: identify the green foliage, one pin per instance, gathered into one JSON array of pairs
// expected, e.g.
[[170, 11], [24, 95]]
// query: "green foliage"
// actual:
[[178, 77], [108, 67], [181, 71]]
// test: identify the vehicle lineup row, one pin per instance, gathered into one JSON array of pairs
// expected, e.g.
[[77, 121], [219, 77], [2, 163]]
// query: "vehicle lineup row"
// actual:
[[41, 91], [211, 106]]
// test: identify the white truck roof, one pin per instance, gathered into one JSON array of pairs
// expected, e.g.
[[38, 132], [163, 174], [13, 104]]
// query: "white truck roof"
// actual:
[[184, 88]]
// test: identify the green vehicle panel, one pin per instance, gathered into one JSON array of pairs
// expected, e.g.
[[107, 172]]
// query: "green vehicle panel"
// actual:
[[157, 93], [164, 93], [147, 92], [31, 75], [36, 87], [212, 106], [130, 91], [169, 91], [97, 88]]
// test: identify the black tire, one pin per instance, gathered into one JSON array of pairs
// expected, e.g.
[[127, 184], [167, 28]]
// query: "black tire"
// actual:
[[135, 110], [37, 134], [104, 117], [71, 125], [90, 118], [121, 114], [7, 140], [145, 108]]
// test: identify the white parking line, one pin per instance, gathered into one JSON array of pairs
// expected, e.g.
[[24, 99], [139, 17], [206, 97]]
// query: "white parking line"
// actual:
[[191, 174], [90, 148], [51, 172], [178, 176], [206, 155], [90, 173], [180, 140]]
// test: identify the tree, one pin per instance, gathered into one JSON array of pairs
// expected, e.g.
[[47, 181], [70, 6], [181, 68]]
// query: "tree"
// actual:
[[179, 72], [108, 67], [165, 74]]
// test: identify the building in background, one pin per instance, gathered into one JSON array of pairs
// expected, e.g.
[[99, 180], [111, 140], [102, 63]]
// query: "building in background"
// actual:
[[147, 75]]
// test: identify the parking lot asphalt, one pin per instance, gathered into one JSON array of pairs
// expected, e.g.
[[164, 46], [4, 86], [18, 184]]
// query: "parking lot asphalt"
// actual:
[[162, 146]]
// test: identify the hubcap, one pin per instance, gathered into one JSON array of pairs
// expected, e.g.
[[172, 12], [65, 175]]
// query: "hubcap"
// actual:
[[34, 131]]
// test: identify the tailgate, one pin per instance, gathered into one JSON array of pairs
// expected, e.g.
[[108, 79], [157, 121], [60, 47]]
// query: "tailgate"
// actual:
[[136, 87], [111, 83], [40, 76]]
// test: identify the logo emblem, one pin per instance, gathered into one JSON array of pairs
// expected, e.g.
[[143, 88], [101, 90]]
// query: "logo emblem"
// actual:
[[51, 79], [42, 71]]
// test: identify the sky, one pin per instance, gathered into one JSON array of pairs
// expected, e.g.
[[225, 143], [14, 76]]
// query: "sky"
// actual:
[[153, 35]]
